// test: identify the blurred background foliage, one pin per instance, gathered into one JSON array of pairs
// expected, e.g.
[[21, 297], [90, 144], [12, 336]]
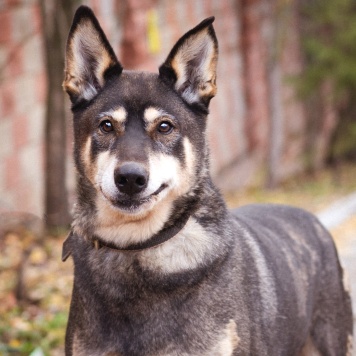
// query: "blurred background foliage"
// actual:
[[329, 38]]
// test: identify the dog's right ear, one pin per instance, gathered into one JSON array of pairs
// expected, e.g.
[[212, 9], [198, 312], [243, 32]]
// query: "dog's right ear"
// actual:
[[90, 60]]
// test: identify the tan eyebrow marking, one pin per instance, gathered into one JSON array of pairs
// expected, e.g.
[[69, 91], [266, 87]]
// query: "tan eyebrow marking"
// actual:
[[119, 114], [152, 113]]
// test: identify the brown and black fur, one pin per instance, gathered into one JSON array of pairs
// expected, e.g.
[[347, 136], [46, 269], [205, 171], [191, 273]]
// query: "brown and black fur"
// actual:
[[176, 272]]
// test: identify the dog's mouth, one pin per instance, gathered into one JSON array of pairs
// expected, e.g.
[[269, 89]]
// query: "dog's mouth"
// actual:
[[131, 204]]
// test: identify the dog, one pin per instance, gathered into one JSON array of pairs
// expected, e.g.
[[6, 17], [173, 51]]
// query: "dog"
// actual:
[[161, 267]]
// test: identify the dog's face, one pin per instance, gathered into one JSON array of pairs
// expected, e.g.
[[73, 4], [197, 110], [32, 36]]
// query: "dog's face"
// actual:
[[139, 137]]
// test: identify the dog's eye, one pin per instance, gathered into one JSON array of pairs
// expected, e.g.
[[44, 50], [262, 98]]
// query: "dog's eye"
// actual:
[[165, 127], [106, 126]]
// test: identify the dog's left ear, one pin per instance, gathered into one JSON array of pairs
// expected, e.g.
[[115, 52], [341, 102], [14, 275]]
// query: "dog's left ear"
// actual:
[[90, 60], [190, 68]]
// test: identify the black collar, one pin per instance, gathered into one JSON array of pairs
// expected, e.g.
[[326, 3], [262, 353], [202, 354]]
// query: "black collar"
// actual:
[[158, 239]]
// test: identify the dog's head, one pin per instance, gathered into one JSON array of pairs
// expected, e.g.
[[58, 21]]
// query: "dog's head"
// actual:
[[139, 137]]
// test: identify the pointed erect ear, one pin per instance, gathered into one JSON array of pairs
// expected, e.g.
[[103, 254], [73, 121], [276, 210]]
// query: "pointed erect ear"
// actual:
[[90, 60], [191, 66]]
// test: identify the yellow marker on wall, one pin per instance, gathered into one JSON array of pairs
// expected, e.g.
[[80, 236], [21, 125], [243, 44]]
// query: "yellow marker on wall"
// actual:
[[154, 43]]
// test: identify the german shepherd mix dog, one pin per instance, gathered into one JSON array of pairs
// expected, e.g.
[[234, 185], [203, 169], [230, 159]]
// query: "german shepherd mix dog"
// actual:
[[161, 267]]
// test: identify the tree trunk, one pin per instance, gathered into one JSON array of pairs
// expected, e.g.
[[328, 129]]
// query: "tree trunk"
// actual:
[[322, 140], [56, 19], [134, 46], [255, 81], [276, 129]]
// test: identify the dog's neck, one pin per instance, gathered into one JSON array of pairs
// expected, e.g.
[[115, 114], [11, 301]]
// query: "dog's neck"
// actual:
[[171, 229], [165, 234]]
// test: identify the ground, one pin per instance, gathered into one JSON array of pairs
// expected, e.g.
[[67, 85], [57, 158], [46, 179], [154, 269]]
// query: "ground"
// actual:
[[35, 286]]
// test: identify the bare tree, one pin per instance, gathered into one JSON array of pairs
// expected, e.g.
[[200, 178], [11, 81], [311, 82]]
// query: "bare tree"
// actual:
[[278, 16], [56, 19], [254, 74], [275, 106]]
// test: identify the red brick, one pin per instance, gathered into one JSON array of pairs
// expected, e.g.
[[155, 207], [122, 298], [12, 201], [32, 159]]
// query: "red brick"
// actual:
[[6, 27], [172, 22], [12, 3], [208, 7], [96, 8], [255, 80], [41, 87], [42, 156], [12, 171], [7, 99], [190, 12], [36, 18], [16, 62], [24, 198], [20, 131]]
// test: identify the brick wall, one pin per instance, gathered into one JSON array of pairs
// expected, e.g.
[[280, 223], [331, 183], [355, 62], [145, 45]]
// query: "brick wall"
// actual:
[[22, 95], [239, 124]]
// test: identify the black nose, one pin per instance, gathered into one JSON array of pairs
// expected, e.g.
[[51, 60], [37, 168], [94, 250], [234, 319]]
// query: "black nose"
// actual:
[[131, 178]]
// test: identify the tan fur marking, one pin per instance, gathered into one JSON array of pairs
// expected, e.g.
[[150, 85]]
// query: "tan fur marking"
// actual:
[[152, 113], [346, 280], [349, 347], [77, 348], [229, 342], [119, 115], [190, 162], [309, 349], [86, 159], [104, 175], [103, 161]]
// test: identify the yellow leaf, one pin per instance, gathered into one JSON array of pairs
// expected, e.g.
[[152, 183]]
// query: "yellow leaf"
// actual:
[[14, 343], [37, 256], [154, 43]]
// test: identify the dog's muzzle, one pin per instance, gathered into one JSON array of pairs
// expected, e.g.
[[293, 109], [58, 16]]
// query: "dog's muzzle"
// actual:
[[131, 178], [131, 181]]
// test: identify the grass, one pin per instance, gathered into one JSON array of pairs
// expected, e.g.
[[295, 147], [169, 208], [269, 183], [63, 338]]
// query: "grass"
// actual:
[[25, 333], [36, 324]]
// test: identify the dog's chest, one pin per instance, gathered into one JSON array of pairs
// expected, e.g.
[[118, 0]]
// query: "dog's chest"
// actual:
[[138, 314]]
